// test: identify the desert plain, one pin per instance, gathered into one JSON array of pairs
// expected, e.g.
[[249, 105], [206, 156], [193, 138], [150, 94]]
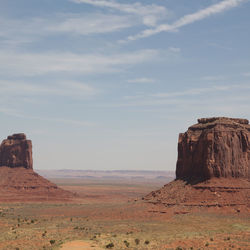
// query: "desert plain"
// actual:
[[109, 213]]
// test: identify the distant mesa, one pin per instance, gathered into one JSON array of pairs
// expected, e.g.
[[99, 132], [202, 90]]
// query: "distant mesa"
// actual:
[[212, 167], [18, 181]]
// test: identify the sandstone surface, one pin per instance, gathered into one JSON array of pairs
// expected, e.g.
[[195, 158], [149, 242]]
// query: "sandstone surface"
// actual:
[[215, 147], [16, 151]]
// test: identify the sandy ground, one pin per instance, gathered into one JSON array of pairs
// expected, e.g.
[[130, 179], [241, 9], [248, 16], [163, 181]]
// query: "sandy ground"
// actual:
[[109, 212], [79, 245]]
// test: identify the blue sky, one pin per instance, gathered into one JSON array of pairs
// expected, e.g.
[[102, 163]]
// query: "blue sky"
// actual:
[[101, 84]]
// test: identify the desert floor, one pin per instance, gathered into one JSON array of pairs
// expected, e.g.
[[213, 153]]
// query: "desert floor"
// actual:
[[109, 214]]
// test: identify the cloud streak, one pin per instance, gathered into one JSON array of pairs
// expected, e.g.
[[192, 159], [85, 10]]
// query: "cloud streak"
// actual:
[[150, 13], [62, 88], [141, 80], [17, 114], [91, 24], [190, 18], [31, 64]]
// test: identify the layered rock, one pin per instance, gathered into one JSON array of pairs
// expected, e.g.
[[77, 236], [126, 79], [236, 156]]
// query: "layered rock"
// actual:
[[215, 147], [16, 151]]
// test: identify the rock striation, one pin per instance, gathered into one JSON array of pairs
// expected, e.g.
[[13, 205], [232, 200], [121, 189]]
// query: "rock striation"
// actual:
[[18, 181], [212, 169], [16, 151], [215, 147]]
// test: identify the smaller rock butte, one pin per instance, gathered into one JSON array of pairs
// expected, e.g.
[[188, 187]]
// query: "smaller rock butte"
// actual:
[[16, 151], [18, 181]]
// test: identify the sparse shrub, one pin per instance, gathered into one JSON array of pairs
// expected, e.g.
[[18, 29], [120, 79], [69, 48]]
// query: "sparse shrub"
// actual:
[[126, 243], [52, 242], [178, 248], [110, 245], [207, 244], [211, 239], [137, 241], [32, 221], [71, 219], [146, 242]]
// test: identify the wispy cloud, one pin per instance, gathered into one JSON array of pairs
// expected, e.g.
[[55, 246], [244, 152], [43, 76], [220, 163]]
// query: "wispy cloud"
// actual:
[[141, 80], [62, 88], [150, 13], [194, 91], [18, 114], [190, 18], [14, 32], [213, 78], [91, 24], [180, 97], [246, 74], [29, 64]]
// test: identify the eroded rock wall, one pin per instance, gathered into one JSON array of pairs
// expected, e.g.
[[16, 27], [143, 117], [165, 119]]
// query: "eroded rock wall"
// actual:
[[215, 147], [16, 151]]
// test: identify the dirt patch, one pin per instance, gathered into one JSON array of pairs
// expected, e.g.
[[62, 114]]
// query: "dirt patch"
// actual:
[[79, 245]]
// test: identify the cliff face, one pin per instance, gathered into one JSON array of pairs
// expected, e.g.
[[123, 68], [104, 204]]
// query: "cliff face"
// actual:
[[16, 151], [215, 147]]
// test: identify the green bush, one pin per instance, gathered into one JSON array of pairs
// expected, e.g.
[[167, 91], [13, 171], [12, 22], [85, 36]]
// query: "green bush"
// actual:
[[126, 243], [110, 245], [137, 241], [52, 242]]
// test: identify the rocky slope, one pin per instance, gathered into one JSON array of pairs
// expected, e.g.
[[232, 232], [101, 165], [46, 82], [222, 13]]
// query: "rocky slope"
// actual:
[[212, 168]]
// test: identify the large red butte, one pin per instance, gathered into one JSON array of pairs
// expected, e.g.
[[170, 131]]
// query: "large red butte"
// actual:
[[215, 147]]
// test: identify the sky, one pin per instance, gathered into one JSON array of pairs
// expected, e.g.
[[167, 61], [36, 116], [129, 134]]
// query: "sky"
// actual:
[[109, 84]]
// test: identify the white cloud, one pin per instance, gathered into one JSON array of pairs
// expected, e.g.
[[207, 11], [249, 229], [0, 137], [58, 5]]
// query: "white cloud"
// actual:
[[62, 88], [29, 64], [141, 80], [14, 32], [91, 24], [194, 91], [149, 13], [174, 49], [16, 113], [191, 18], [213, 78], [181, 97], [246, 74]]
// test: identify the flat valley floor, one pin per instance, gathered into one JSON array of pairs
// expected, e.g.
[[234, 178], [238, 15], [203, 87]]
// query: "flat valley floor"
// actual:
[[109, 214]]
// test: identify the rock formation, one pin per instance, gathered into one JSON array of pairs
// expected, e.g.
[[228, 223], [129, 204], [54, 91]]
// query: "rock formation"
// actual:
[[16, 151], [212, 169], [215, 147], [18, 181]]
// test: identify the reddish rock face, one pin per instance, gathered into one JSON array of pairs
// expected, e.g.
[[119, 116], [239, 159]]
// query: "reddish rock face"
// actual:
[[215, 147], [16, 151]]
